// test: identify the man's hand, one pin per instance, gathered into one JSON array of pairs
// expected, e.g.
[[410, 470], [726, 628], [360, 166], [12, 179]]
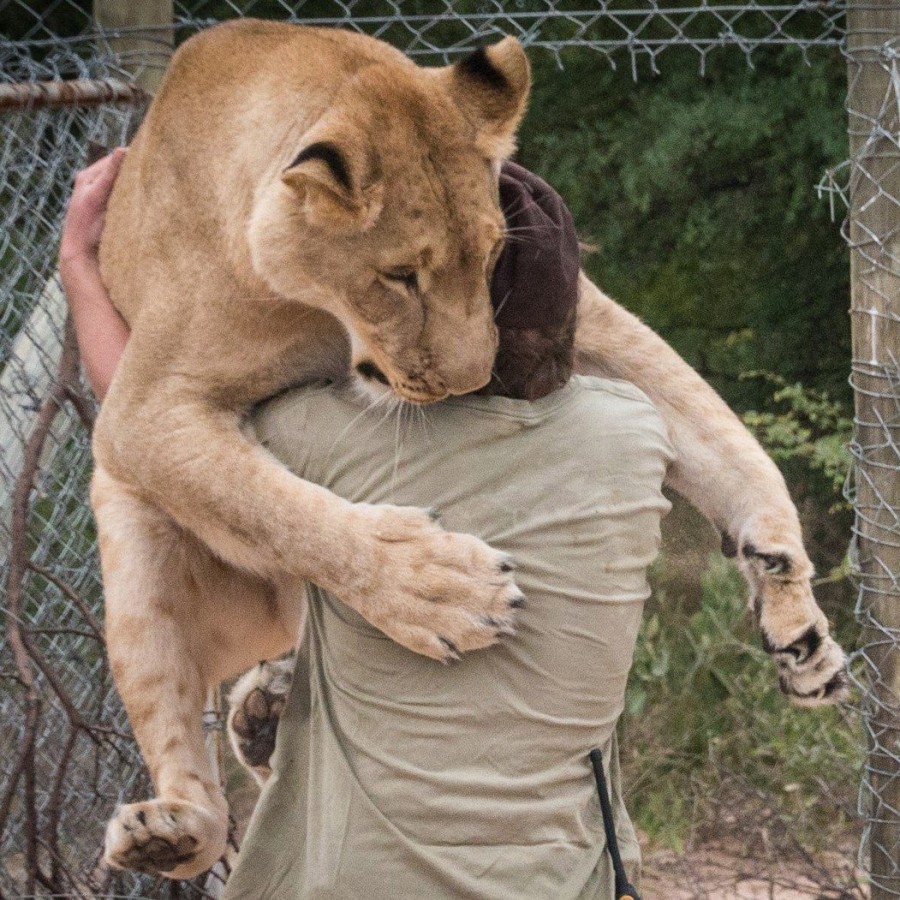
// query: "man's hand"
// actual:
[[102, 333], [83, 225]]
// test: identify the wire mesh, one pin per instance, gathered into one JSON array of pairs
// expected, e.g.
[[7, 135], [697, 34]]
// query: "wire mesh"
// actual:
[[444, 28], [66, 755], [868, 186], [67, 752]]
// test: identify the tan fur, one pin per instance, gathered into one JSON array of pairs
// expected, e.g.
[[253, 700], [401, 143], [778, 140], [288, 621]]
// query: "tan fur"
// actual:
[[242, 268]]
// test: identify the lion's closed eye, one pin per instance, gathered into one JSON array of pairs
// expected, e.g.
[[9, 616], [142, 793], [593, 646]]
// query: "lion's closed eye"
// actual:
[[405, 278], [386, 300]]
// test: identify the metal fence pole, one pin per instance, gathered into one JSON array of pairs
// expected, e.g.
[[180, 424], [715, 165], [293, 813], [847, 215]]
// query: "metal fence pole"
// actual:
[[873, 47]]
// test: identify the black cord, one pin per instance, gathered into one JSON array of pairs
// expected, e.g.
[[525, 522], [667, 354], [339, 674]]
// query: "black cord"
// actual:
[[624, 889]]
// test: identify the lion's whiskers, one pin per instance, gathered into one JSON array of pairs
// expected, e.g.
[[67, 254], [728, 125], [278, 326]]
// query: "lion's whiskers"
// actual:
[[496, 374], [366, 396], [502, 303], [517, 234]]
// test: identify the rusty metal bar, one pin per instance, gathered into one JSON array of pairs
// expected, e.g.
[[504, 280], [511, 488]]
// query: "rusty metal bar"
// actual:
[[79, 92]]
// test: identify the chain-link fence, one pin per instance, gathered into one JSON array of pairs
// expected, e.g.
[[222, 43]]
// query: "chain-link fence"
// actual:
[[66, 754], [444, 27]]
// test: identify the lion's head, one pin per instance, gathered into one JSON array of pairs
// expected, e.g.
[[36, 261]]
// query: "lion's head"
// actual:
[[388, 216]]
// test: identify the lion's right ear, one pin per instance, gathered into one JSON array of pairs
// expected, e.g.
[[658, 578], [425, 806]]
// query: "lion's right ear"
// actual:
[[332, 193], [491, 88]]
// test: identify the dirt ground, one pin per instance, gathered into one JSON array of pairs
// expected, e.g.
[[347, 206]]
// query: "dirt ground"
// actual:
[[714, 872]]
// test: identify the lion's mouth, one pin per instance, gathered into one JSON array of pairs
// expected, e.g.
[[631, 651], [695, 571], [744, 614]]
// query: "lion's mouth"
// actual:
[[415, 397], [370, 372]]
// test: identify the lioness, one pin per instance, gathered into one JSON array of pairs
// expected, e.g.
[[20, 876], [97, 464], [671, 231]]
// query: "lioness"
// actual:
[[303, 202]]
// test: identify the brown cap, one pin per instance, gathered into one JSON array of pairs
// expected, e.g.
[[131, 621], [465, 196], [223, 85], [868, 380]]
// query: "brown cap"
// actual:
[[535, 282]]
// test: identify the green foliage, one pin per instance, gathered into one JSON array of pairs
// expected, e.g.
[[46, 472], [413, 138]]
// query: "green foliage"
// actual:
[[36, 21], [699, 193], [704, 717], [807, 431]]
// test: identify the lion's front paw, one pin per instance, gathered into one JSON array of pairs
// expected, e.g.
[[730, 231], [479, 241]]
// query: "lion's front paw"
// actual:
[[256, 703], [436, 592], [165, 837], [812, 668]]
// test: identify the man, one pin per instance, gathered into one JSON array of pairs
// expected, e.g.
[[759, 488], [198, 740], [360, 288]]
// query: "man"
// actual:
[[394, 776]]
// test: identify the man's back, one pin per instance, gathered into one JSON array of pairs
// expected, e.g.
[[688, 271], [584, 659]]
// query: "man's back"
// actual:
[[396, 777]]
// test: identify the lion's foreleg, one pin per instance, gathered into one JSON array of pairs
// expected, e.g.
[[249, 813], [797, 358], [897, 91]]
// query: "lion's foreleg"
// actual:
[[722, 470], [177, 621], [435, 592]]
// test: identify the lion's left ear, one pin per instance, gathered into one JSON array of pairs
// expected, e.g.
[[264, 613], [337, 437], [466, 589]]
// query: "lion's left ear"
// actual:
[[491, 88], [328, 179]]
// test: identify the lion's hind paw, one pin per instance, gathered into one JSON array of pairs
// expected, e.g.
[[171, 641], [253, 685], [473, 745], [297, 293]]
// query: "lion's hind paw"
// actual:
[[256, 703]]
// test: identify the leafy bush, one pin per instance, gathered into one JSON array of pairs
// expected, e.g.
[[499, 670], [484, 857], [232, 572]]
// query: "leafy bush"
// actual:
[[807, 427], [699, 192]]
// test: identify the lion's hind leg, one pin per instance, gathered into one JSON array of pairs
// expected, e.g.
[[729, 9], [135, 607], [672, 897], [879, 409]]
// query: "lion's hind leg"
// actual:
[[177, 622]]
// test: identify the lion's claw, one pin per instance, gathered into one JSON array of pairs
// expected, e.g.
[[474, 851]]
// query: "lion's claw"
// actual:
[[812, 670]]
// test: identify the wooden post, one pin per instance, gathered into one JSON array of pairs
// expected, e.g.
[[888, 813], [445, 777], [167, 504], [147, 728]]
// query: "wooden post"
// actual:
[[144, 55], [873, 44]]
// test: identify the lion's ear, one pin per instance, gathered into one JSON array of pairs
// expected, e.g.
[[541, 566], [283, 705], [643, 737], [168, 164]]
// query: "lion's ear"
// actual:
[[491, 88], [330, 190]]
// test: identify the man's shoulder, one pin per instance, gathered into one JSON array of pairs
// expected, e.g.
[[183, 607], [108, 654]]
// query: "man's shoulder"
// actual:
[[612, 406], [600, 387], [589, 410], [613, 398]]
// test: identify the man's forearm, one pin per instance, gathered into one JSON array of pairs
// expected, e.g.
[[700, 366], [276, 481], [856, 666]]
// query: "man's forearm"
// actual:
[[102, 333]]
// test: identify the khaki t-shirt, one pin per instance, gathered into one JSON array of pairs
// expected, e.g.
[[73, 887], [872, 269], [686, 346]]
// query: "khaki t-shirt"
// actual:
[[396, 777]]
